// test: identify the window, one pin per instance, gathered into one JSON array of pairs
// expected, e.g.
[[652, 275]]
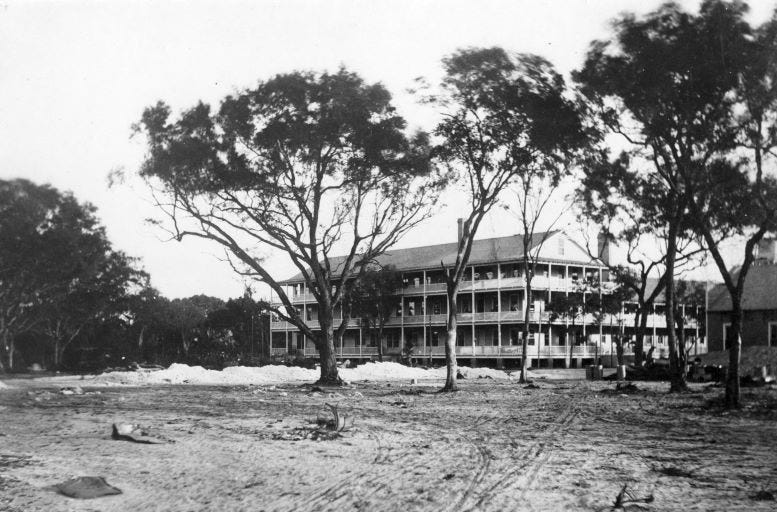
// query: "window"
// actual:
[[435, 338], [773, 334], [728, 335], [561, 246]]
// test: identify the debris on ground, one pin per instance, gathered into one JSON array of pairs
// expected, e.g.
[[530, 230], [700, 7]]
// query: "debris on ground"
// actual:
[[134, 434], [763, 496], [531, 385], [460, 375], [626, 496], [341, 422], [629, 387], [307, 433], [675, 471], [86, 487], [76, 390]]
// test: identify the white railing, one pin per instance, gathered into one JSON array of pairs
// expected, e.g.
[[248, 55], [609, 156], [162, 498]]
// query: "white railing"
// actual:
[[303, 297], [487, 317], [542, 351]]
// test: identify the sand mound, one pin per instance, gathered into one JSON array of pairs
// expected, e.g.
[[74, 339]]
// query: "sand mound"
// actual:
[[4, 386], [751, 357], [243, 375]]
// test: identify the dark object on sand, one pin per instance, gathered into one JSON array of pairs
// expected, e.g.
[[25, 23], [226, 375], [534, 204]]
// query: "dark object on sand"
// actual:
[[86, 488], [133, 434], [626, 496]]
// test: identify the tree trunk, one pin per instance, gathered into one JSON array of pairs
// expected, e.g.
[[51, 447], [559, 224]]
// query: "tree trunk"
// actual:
[[682, 359], [328, 356], [640, 325], [732, 397], [11, 349], [526, 314], [3, 348], [450, 344], [380, 342], [57, 353], [677, 374]]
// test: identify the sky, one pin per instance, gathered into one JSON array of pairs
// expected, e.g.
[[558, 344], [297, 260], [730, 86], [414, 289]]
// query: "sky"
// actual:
[[75, 76]]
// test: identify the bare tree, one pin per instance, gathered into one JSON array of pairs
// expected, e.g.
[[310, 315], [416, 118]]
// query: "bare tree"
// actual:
[[536, 187], [303, 165], [504, 116]]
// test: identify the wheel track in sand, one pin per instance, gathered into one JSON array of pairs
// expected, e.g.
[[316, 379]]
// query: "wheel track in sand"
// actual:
[[534, 457], [374, 475]]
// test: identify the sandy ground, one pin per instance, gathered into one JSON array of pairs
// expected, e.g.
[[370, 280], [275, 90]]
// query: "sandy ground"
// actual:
[[495, 445]]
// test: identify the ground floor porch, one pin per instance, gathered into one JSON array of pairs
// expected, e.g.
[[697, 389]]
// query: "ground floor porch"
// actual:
[[548, 346]]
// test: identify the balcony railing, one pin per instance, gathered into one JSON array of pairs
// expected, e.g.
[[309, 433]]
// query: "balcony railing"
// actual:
[[586, 351], [487, 317], [303, 297], [658, 321]]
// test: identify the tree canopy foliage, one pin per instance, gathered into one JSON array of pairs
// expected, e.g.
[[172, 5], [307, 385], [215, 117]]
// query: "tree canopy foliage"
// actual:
[[507, 119], [304, 164], [694, 95], [58, 271]]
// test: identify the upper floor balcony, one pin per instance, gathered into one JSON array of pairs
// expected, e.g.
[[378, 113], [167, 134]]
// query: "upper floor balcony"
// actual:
[[487, 282]]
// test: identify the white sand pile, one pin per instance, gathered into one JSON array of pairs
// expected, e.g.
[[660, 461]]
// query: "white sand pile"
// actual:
[[243, 375], [4, 386], [234, 375]]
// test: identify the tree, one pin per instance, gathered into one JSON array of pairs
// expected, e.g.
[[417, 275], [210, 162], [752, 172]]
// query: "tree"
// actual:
[[304, 165], [689, 293], [609, 305], [731, 193], [375, 298], [98, 291], [658, 83], [246, 321], [58, 271], [505, 117], [535, 189], [567, 307], [189, 315]]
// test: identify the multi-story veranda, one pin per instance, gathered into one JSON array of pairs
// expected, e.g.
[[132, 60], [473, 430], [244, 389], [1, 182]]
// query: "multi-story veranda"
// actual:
[[491, 306]]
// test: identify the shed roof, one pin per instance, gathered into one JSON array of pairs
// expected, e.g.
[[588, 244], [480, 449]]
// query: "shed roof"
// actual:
[[760, 291]]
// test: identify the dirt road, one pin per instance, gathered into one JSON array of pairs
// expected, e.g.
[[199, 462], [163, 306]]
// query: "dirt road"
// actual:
[[491, 446]]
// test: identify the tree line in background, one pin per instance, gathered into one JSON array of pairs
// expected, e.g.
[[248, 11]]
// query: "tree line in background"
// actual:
[[68, 300], [309, 165]]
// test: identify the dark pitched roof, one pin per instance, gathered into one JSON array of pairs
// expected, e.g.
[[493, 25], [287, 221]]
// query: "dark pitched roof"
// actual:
[[488, 250], [760, 290]]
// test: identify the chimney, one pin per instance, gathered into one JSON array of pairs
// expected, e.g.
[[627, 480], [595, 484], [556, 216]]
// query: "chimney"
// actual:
[[603, 247], [461, 230], [766, 251]]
